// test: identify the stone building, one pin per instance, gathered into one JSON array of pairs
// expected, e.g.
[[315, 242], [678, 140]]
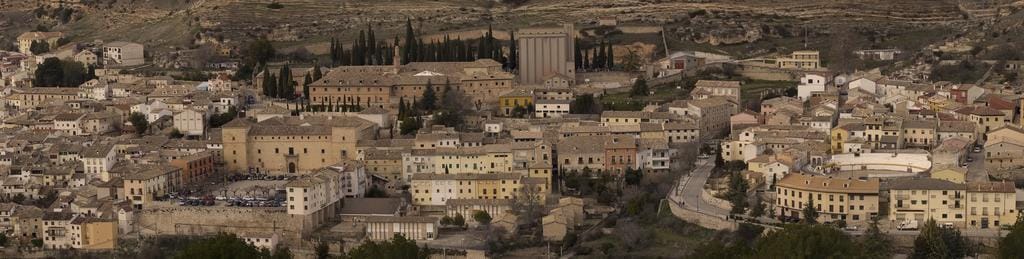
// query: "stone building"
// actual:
[[482, 81], [292, 144]]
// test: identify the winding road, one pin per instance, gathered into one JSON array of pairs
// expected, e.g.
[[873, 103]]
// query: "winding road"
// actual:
[[689, 187]]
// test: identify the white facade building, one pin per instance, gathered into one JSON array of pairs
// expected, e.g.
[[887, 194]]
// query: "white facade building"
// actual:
[[810, 84]]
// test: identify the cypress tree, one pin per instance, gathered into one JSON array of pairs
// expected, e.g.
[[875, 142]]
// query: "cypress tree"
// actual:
[[334, 51], [611, 57], [305, 86], [468, 55], [401, 108], [429, 97], [585, 64], [409, 50], [342, 58], [601, 56], [420, 50], [370, 39], [513, 51], [360, 50], [379, 49], [481, 48], [271, 85], [266, 82], [492, 45], [317, 74], [446, 49], [281, 85], [578, 56]]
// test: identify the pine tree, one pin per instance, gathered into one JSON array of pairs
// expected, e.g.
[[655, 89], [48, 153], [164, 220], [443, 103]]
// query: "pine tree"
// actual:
[[640, 87]]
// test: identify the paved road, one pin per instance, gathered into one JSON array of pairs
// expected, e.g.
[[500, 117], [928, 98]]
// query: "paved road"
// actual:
[[692, 186], [992, 232], [976, 170]]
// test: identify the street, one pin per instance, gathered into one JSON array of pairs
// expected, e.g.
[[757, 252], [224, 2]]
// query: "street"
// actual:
[[692, 186], [976, 170]]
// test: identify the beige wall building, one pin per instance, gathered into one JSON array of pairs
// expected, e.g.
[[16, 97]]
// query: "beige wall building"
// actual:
[[147, 182], [25, 40], [36, 96], [991, 204], [712, 114], [482, 81], [924, 199], [546, 53], [729, 90], [854, 201], [292, 144], [124, 53], [314, 199], [437, 189], [93, 233], [804, 59]]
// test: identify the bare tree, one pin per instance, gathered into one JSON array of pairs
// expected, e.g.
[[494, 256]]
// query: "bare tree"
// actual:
[[684, 157], [526, 203], [633, 235]]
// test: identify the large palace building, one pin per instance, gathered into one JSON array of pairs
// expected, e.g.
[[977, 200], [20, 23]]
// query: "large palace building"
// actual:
[[384, 86], [293, 144]]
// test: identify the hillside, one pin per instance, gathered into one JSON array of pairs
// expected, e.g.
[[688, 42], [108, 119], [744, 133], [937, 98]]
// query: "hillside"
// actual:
[[177, 24]]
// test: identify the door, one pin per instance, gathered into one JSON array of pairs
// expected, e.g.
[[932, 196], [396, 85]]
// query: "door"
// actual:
[[291, 168]]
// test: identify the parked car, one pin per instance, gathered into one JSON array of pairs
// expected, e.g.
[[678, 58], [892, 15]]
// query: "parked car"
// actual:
[[969, 159]]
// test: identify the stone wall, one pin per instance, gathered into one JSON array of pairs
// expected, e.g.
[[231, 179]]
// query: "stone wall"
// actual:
[[714, 201], [210, 220], [704, 220]]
